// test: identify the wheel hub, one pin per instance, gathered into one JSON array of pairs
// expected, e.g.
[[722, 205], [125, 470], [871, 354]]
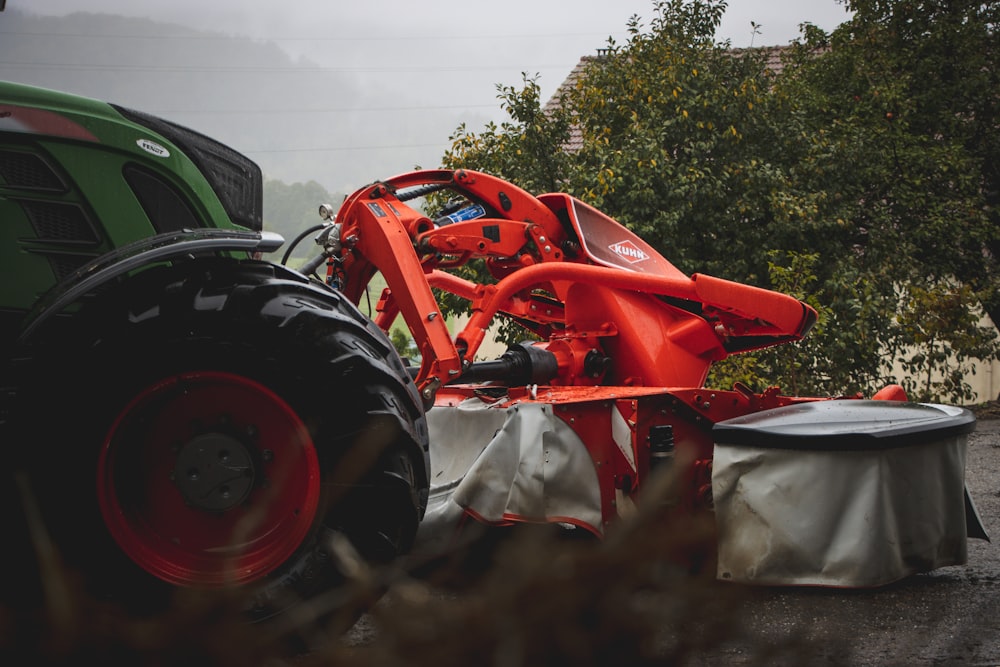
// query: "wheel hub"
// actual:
[[214, 472]]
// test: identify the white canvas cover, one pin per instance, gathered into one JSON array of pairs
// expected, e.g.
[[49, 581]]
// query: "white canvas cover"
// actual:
[[506, 464], [841, 516]]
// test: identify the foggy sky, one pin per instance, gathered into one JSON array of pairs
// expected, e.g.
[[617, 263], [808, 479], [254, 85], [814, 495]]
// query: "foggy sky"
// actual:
[[417, 69], [498, 39]]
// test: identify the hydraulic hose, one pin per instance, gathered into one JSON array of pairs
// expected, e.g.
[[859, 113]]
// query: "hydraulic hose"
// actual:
[[298, 239], [313, 264]]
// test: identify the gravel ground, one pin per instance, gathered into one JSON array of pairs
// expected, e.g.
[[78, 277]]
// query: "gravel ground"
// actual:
[[947, 617]]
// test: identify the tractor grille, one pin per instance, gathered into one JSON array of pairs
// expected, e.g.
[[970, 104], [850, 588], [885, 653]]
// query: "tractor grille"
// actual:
[[236, 179], [28, 171], [166, 209], [63, 265], [59, 222]]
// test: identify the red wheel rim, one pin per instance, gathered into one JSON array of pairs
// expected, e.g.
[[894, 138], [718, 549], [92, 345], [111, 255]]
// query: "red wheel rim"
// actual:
[[208, 479]]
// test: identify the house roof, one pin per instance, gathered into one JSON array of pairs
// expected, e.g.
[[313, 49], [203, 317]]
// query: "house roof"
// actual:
[[575, 141], [773, 63]]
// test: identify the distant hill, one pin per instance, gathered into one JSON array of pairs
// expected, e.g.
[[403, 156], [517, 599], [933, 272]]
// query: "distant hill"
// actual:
[[248, 94], [290, 209]]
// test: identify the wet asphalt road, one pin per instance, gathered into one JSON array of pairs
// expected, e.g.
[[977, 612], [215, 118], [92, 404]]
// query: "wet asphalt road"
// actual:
[[947, 617]]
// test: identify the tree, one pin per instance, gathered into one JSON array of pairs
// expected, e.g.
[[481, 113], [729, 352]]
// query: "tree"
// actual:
[[845, 179], [668, 121], [527, 149], [888, 120], [939, 59], [940, 334]]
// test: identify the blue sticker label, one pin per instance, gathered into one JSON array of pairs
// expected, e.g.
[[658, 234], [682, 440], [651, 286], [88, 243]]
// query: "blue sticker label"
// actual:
[[377, 210], [468, 213]]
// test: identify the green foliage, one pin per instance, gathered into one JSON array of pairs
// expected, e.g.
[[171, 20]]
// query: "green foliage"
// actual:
[[863, 178], [402, 341], [526, 150], [941, 335], [668, 122], [842, 354], [891, 121]]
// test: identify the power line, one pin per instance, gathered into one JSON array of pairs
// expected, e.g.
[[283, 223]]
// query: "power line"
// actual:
[[283, 70], [247, 111], [221, 36], [342, 148]]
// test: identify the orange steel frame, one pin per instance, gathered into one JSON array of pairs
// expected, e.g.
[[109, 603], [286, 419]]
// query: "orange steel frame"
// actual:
[[660, 329], [382, 233]]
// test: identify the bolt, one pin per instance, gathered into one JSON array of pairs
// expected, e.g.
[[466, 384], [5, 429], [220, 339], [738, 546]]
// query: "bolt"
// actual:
[[267, 455]]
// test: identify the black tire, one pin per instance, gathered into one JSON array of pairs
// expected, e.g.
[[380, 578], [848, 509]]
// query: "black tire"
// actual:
[[214, 424]]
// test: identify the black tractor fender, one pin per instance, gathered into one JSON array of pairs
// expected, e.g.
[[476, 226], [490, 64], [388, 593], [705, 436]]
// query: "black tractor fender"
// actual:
[[144, 252]]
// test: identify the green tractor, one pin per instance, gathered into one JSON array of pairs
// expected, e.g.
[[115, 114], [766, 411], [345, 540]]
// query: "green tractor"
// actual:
[[176, 412]]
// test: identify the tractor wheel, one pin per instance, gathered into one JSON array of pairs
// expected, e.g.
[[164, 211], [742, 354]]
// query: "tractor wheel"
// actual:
[[221, 425]]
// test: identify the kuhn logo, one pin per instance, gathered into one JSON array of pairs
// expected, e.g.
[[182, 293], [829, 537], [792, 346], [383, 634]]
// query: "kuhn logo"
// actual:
[[152, 147], [629, 251]]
